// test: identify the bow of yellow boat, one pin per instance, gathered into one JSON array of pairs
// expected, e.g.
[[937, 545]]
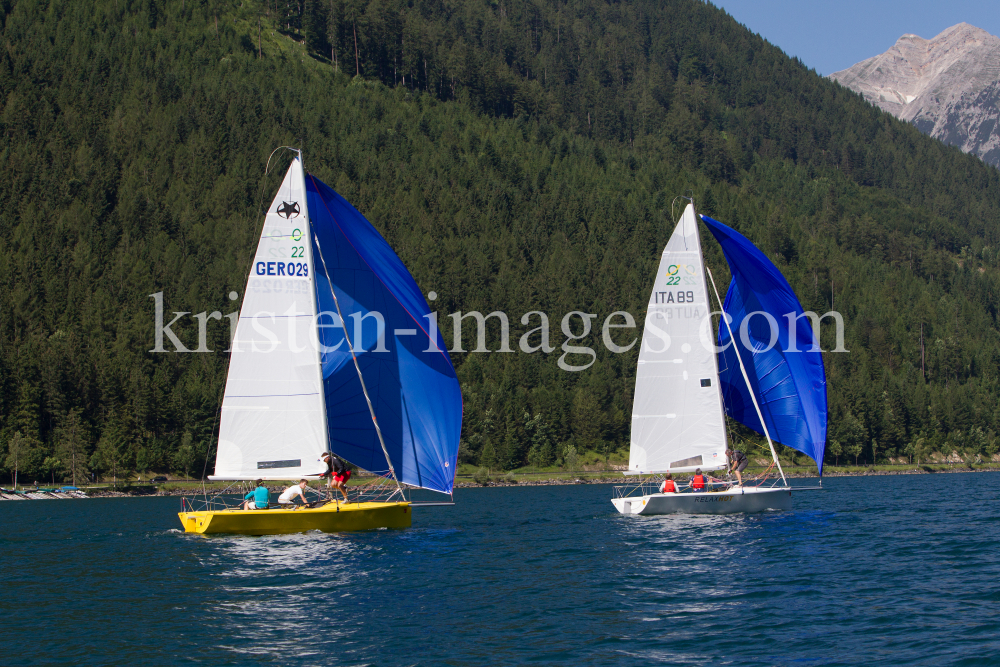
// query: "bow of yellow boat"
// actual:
[[329, 518]]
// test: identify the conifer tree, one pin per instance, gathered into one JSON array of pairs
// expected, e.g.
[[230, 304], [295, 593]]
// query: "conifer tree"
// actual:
[[314, 26]]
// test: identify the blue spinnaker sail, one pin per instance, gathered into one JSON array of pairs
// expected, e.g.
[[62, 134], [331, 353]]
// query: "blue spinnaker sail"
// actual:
[[782, 359], [412, 384]]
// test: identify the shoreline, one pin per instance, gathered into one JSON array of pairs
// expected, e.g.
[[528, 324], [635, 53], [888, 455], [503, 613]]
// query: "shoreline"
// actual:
[[619, 478], [584, 477]]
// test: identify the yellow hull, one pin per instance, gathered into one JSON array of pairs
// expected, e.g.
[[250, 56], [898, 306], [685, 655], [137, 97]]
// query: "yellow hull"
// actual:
[[279, 521]]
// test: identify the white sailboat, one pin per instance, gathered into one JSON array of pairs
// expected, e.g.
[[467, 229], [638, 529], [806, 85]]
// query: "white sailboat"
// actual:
[[333, 352], [680, 402]]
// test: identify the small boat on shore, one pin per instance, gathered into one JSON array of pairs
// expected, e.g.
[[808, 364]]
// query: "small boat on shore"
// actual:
[[770, 379], [381, 393], [63, 493]]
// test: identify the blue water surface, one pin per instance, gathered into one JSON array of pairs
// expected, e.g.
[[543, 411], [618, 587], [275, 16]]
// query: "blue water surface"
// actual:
[[896, 570]]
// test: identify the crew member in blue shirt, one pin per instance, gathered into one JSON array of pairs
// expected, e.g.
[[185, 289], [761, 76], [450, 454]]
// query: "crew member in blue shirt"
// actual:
[[259, 498]]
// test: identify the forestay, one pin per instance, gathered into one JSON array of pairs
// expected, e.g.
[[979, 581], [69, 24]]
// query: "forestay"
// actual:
[[778, 347], [273, 424], [677, 417]]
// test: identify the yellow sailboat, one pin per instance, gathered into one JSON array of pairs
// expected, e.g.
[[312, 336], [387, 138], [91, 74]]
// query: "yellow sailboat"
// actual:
[[330, 518], [335, 350]]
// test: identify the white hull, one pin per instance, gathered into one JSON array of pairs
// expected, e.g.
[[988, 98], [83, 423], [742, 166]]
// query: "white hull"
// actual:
[[730, 501]]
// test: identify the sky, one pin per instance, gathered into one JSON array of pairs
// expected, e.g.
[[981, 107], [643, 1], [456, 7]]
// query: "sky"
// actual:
[[831, 36]]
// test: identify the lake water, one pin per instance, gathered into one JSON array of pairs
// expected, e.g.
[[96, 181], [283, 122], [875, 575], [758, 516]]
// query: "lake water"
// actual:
[[901, 570]]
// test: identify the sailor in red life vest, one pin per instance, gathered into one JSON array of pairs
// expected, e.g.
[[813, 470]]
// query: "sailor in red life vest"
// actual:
[[698, 481], [668, 485]]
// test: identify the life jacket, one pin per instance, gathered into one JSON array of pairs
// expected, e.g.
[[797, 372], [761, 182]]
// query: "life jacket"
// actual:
[[668, 486], [338, 466], [334, 466], [698, 482]]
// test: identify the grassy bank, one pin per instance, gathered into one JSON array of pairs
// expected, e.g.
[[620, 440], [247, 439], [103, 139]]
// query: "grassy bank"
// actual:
[[466, 478], [469, 476]]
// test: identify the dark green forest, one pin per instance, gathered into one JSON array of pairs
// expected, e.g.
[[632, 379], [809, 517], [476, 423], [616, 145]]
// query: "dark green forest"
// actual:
[[518, 155]]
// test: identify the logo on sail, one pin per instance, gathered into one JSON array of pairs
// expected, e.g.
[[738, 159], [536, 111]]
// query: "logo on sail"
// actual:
[[288, 210]]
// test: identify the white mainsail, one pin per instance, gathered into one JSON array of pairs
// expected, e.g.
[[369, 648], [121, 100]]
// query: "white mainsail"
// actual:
[[273, 423], [677, 413]]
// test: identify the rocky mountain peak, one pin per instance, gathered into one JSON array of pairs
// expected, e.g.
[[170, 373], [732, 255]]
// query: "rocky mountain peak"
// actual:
[[948, 86]]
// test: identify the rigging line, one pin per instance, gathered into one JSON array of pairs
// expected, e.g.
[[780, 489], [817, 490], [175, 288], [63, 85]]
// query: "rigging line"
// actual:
[[746, 378], [718, 373], [260, 198], [730, 435], [208, 450], [354, 358], [260, 202], [683, 229]]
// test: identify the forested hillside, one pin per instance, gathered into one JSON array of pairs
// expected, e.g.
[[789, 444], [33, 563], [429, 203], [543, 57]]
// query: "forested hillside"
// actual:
[[518, 156]]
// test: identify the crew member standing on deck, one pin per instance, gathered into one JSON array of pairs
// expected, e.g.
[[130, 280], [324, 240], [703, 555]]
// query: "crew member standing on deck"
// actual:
[[328, 460], [737, 463], [341, 473], [338, 473]]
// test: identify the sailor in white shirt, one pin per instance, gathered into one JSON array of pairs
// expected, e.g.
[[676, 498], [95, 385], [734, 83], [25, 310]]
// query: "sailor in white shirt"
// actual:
[[296, 490]]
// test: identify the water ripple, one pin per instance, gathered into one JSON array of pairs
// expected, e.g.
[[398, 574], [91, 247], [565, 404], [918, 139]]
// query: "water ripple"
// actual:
[[899, 570]]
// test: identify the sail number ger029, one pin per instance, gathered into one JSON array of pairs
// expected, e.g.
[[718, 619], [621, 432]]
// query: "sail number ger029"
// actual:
[[292, 269]]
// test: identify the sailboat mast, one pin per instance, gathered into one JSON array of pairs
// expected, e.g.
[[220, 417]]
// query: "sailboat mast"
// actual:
[[746, 378], [319, 354], [708, 304]]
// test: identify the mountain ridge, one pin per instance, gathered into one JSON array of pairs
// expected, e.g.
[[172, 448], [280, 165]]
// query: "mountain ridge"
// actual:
[[947, 86]]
